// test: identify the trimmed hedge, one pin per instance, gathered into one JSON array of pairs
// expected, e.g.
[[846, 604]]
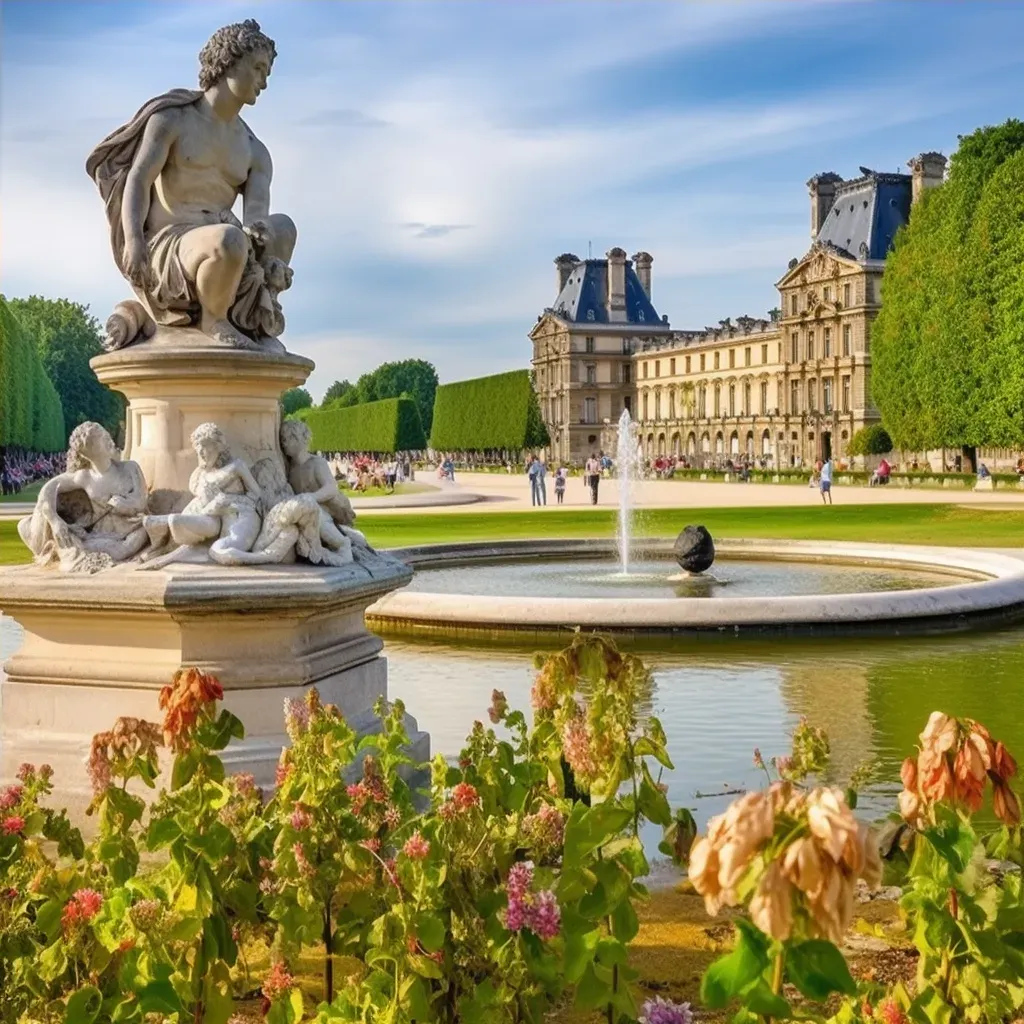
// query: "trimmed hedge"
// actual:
[[390, 425], [31, 416], [488, 413]]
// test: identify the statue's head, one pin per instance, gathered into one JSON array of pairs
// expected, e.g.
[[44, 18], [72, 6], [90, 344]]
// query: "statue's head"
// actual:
[[295, 437], [242, 56], [210, 446], [90, 444]]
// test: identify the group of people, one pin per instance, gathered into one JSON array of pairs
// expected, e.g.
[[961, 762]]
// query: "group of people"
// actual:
[[363, 472], [537, 470], [20, 468]]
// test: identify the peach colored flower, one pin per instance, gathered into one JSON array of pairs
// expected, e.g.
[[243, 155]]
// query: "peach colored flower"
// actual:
[[1005, 804], [830, 820], [1003, 763], [771, 909], [802, 865]]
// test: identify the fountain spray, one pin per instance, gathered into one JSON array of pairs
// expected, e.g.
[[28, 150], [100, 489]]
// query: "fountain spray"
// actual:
[[627, 466]]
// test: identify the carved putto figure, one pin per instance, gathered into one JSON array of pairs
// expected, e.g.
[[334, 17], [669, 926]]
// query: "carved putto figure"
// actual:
[[225, 507], [170, 178], [87, 518]]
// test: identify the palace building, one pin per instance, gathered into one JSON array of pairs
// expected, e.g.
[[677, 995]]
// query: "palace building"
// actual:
[[787, 389]]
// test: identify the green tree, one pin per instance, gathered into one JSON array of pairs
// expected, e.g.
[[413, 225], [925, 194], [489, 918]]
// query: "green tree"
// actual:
[[66, 337], [940, 376], [337, 390], [413, 377], [873, 440], [295, 399]]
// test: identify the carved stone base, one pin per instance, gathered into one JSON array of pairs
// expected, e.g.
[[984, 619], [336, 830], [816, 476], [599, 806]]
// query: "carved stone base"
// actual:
[[101, 646], [181, 378]]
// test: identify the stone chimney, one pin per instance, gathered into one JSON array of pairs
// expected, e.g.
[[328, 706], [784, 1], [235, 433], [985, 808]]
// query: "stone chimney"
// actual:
[[616, 285], [823, 194], [564, 265], [926, 171], [642, 265]]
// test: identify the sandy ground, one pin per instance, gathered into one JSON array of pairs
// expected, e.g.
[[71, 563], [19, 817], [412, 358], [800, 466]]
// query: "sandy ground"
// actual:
[[505, 492]]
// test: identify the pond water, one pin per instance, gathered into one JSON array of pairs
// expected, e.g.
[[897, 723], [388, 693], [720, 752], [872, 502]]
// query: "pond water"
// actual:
[[718, 698], [661, 578]]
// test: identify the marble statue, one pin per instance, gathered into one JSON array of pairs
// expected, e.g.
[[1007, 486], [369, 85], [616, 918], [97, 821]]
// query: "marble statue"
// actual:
[[87, 518], [224, 510], [295, 525], [170, 178]]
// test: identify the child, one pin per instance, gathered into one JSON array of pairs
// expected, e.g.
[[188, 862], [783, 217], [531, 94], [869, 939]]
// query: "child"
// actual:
[[560, 477]]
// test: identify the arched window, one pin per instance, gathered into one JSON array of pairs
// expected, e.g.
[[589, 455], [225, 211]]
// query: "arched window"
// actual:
[[734, 443], [732, 399], [646, 409], [718, 400], [719, 444], [747, 407], [766, 443]]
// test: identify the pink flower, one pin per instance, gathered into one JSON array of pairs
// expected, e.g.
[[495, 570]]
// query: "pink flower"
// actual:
[[13, 825], [515, 916], [373, 845], [301, 860], [10, 797], [301, 819], [392, 817], [146, 914], [576, 745], [278, 982], [26, 771], [546, 828], [499, 707], [465, 796], [45, 772], [520, 878], [296, 718], [662, 1011], [416, 847], [89, 903], [888, 1012], [283, 773], [447, 810], [245, 784], [544, 917]]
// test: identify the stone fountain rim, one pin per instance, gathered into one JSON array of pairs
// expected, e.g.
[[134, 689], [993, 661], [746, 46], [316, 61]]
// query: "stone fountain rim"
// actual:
[[993, 590]]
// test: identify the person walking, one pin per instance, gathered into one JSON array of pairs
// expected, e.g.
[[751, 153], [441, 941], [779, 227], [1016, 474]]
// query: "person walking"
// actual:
[[560, 478], [592, 473], [825, 482], [538, 489]]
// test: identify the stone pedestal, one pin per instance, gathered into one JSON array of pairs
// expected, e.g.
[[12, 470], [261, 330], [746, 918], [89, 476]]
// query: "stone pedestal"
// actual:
[[179, 379], [98, 647]]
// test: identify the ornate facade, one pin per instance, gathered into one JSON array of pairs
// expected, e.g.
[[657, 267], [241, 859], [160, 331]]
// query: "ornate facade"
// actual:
[[786, 390]]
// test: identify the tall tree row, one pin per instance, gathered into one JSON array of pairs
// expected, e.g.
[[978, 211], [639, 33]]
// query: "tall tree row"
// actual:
[[948, 344], [31, 416], [66, 337], [413, 377]]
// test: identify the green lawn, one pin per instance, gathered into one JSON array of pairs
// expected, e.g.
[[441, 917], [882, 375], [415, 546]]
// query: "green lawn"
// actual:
[[901, 524], [28, 494]]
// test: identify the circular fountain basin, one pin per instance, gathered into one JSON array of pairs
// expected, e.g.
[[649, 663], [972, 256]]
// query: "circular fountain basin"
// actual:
[[491, 589]]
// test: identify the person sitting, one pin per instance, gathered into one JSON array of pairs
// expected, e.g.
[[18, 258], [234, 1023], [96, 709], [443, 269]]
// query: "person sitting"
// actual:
[[881, 474]]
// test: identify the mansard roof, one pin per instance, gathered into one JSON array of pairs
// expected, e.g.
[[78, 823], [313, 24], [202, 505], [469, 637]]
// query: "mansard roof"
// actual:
[[866, 214], [584, 299]]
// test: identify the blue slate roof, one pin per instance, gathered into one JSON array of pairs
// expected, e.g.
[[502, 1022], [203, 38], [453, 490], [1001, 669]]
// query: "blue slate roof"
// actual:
[[867, 213], [584, 299]]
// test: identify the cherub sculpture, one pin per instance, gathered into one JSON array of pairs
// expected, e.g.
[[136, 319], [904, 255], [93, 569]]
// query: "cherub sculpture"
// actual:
[[87, 518]]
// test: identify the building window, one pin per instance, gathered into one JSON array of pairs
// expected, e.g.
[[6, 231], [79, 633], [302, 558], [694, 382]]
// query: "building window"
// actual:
[[812, 395], [627, 347], [702, 401], [672, 405], [589, 410], [847, 295], [846, 394], [591, 373], [718, 400], [646, 370], [590, 314], [671, 367], [657, 367], [687, 364], [746, 356], [827, 343], [627, 404], [810, 344], [590, 345], [794, 396], [640, 315], [764, 354], [657, 405], [794, 348], [717, 364], [646, 407], [732, 358], [764, 396], [746, 400], [702, 360], [826, 293], [626, 373], [847, 339], [826, 394], [807, 300], [795, 305], [732, 399]]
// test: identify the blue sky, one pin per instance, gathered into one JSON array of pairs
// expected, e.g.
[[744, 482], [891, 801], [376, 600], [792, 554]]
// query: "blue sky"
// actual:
[[436, 157]]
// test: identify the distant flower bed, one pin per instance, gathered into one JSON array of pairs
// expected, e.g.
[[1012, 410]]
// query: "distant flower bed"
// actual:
[[507, 887]]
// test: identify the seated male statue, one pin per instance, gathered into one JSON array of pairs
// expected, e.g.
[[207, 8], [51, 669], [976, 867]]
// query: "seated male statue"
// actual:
[[170, 178]]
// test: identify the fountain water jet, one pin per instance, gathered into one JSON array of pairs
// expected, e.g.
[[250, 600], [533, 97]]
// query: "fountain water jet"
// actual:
[[627, 465]]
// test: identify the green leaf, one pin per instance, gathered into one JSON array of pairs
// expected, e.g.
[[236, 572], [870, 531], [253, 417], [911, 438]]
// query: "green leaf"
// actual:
[[48, 919], [83, 1006], [818, 968], [161, 832], [414, 999], [653, 802], [159, 997], [646, 746], [430, 930], [182, 771], [624, 922], [953, 842], [589, 828], [760, 999], [580, 948], [217, 994], [729, 975]]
